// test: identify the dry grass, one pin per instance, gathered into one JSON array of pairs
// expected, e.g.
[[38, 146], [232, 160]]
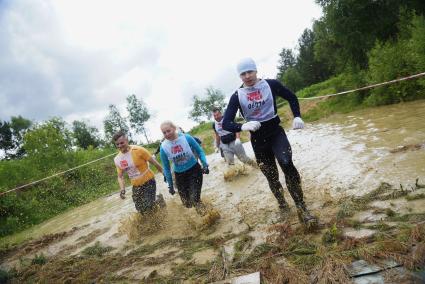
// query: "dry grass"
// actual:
[[96, 250], [217, 272], [280, 232], [151, 261], [36, 245], [82, 241], [349, 244], [304, 255], [417, 257], [277, 273], [289, 255], [384, 191], [331, 270], [402, 243], [219, 269], [74, 270], [417, 234]]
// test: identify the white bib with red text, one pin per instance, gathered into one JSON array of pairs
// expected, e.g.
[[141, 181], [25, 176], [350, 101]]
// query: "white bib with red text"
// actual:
[[178, 151], [219, 128], [257, 102], [125, 162]]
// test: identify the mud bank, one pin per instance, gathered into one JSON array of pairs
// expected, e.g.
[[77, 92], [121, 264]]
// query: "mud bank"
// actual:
[[370, 200]]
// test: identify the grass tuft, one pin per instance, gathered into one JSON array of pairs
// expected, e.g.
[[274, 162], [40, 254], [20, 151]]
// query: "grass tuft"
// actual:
[[333, 235], [39, 259], [96, 250]]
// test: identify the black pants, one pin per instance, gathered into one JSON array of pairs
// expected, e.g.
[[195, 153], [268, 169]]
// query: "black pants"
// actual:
[[276, 146], [189, 184], [144, 196]]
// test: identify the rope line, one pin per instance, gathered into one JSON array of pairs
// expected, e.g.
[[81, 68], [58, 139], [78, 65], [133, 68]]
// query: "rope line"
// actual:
[[367, 87], [310, 98], [56, 174]]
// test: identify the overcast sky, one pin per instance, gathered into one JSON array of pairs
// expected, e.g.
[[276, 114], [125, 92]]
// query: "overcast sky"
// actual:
[[74, 58]]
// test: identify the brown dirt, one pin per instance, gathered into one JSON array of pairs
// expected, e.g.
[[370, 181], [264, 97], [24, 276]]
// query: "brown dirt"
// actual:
[[36, 245]]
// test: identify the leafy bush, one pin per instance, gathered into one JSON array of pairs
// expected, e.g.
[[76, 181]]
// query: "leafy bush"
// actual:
[[343, 82], [36, 203], [343, 103], [391, 60], [387, 61]]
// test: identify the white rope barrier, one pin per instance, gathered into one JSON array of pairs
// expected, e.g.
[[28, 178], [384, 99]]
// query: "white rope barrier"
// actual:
[[311, 98], [55, 175], [367, 87]]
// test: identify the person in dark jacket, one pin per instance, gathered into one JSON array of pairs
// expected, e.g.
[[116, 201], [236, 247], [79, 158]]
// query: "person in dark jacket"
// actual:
[[256, 100]]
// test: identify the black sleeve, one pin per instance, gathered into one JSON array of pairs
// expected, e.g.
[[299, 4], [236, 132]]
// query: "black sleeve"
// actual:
[[229, 123], [213, 127], [279, 90]]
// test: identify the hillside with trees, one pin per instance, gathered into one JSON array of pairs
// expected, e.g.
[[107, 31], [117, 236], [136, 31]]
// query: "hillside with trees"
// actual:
[[355, 44]]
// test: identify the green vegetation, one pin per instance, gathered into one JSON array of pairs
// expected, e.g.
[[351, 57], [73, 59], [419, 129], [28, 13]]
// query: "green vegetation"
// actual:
[[34, 151], [5, 276], [396, 57], [332, 235], [39, 259], [380, 226], [139, 115], [241, 245], [34, 204], [204, 132], [96, 250], [202, 107], [348, 38]]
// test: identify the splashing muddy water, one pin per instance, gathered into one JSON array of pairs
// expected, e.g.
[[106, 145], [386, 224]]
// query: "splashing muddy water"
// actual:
[[346, 154]]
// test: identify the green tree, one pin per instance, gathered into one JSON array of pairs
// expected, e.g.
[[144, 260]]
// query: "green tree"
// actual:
[[6, 138], [114, 122], [353, 27], [11, 135], [310, 69], [47, 143], [202, 108], [85, 135], [60, 125], [286, 61], [417, 41], [398, 58], [326, 48], [304, 69], [292, 79], [19, 127], [138, 115]]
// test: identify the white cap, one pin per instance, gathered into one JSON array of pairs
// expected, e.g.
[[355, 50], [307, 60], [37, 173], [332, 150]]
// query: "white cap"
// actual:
[[246, 64]]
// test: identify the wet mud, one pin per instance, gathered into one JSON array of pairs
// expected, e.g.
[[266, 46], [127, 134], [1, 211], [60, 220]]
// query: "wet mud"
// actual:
[[370, 201]]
